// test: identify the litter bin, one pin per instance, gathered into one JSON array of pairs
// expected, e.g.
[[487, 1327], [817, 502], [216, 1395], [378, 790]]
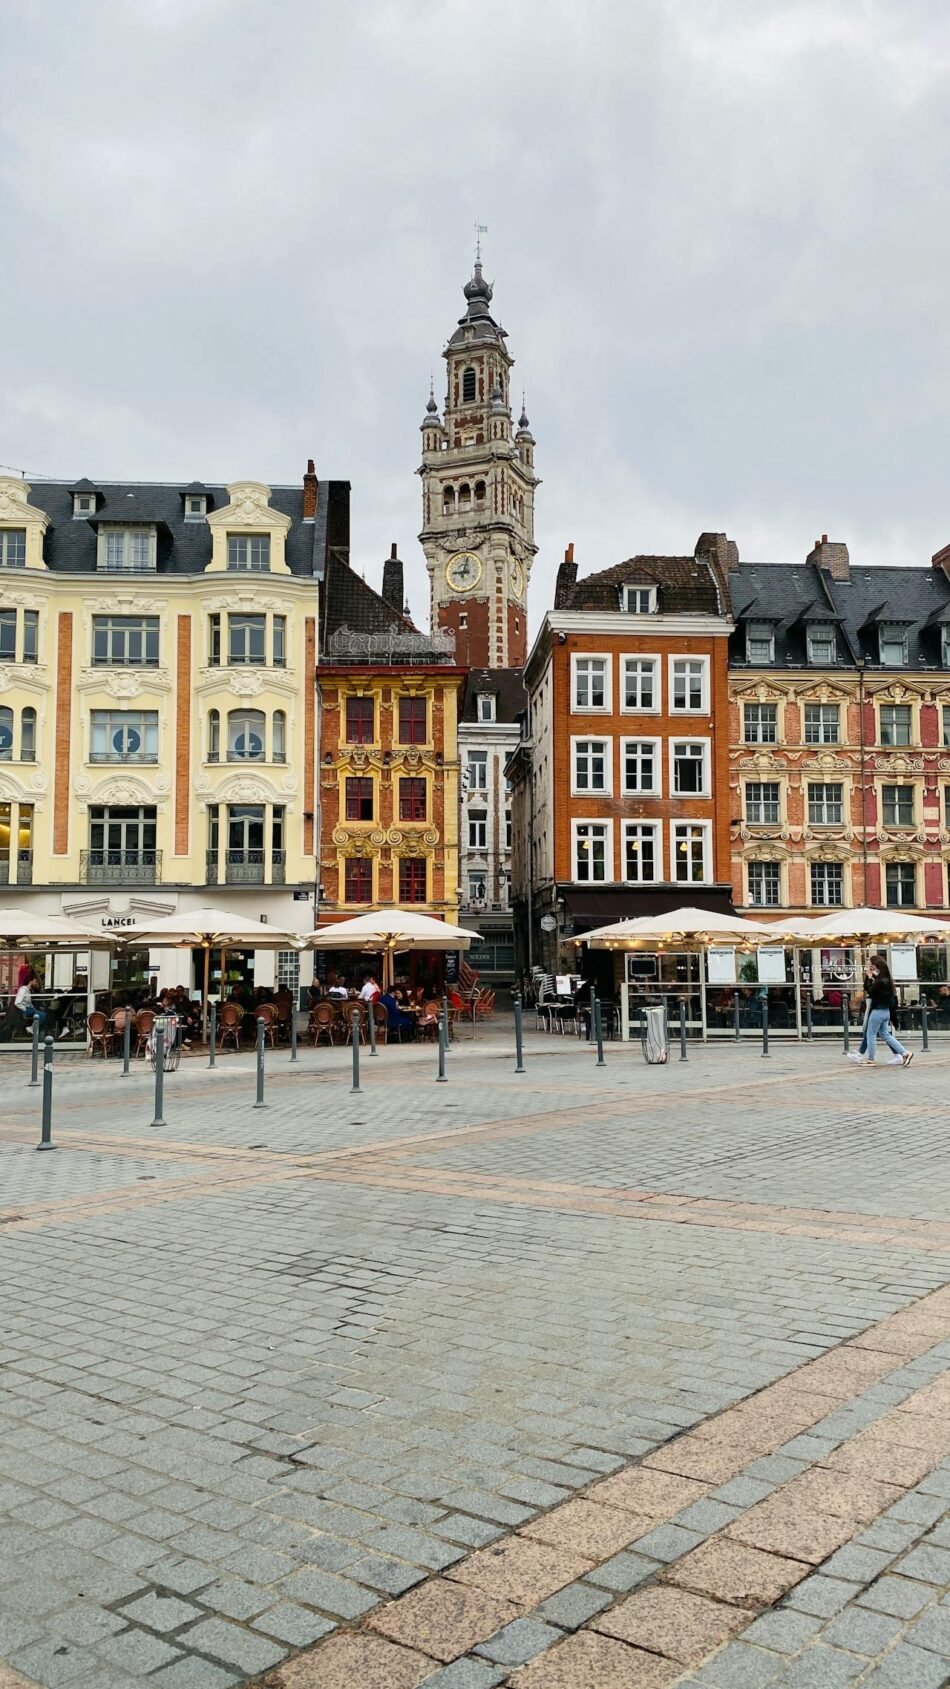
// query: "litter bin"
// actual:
[[655, 1036], [172, 1044]]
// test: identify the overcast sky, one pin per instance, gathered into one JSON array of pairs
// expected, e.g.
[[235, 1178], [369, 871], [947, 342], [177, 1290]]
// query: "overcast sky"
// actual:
[[235, 234]]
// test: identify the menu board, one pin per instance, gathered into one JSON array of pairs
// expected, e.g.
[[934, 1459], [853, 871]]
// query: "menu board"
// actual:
[[721, 964], [771, 961]]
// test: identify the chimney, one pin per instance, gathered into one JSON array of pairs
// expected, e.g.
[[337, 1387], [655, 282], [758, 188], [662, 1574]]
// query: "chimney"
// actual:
[[941, 560], [721, 548], [566, 579], [311, 487], [833, 556], [393, 590]]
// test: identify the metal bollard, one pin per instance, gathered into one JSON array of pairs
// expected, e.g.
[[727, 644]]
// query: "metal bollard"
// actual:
[[35, 1053], [371, 1021], [519, 1045], [260, 1103], [355, 1026], [845, 1022], [441, 1079], [683, 1055], [599, 1031], [126, 1043], [924, 1029], [735, 1013], [765, 1027], [159, 1119], [293, 1033], [213, 1029], [808, 1015], [445, 1011], [46, 1130]]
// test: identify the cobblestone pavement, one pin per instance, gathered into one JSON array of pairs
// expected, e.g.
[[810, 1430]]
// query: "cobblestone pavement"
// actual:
[[582, 1379]]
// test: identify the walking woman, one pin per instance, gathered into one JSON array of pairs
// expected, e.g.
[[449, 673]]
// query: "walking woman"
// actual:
[[883, 1002]]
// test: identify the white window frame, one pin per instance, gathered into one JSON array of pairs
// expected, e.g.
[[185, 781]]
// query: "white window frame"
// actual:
[[644, 600], [821, 633], [758, 704], [653, 658], [903, 904], [112, 532], [759, 637], [822, 863], [899, 786], [812, 704], [689, 709], [706, 791], [248, 541], [608, 832], [759, 822], [654, 791], [475, 759], [705, 827], [604, 791], [913, 730], [654, 828], [486, 706], [945, 644], [108, 722], [842, 802], [201, 501], [886, 634], [84, 504], [578, 657], [478, 818], [758, 902], [7, 537]]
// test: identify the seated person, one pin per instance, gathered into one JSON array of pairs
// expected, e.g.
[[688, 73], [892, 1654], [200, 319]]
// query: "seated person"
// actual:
[[396, 1020]]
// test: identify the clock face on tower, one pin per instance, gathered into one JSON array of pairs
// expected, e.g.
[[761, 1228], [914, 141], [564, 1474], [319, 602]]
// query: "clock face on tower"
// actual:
[[516, 576], [463, 571]]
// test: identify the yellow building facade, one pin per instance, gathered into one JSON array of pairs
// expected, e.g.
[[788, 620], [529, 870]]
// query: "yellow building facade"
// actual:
[[158, 651]]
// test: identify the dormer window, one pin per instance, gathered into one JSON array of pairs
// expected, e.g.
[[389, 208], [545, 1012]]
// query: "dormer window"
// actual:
[[486, 706], [821, 642], [126, 550], [639, 600], [892, 644], [84, 504], [196, 505], [12, 548], [759, 642], [469, 386], [249, 552], [945, 645]]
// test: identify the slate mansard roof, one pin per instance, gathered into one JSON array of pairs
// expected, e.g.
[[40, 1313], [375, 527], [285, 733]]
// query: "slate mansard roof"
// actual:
[[685, 585], [789, 596], [505, 686], [183, 548]]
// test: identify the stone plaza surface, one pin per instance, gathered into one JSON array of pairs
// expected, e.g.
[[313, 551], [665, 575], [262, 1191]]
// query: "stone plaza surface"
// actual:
[[586, 1377]]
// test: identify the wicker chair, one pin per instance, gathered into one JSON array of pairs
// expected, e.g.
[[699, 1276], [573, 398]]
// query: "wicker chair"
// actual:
[[230, 1019], [144, 1021], [381, 1019], [322, 1023], [267, 1013], [101, 1035], [427, 1025]]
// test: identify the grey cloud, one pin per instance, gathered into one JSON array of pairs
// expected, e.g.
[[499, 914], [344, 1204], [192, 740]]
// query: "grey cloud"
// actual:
[[236, 232]]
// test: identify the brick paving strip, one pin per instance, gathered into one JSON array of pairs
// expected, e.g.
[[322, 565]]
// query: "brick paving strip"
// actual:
[[556, 1591]]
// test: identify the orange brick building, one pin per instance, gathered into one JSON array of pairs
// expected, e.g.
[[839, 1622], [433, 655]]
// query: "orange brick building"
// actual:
[[621, 785]]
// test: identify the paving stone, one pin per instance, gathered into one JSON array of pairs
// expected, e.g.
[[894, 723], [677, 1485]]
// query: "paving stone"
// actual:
[[573, 1606], [706, 1517], [645, 1492], [673, 1622], [467, 1674], [160, 1613], [902, 1597], [730, 1571], [443, 1619], [582, 1527], [236, 1647], [588, 1661], [474, 1533], [932, 1631], [518, 1642], [136, 1652], [778, 1527], [520, 1570], [183, 1577], [906, 1667], [933, 1564], [192, 1673], [822, 1668], [823, 1596], [740, 1666], [295, 1625], [668, 1542], [391, 1577], [784, 1630], [346, 1660], [861, 1631], [49, 1662], [860, 1564], [623, 1572], [331, 1594], [236, 1599]]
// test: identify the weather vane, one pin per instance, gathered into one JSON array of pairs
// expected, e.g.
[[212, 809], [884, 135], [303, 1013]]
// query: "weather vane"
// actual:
[[480, 229]]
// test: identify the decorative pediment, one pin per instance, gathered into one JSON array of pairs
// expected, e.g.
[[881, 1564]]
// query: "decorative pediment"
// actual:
[[124, 683], [21, 675], [121, 790], [895, 692], [249, 510], [124, 603], [246, 680], [898, 765], [823, 692], [250, 600], [826, 762], [828, 851], [17, 512], [763, 762], [760, 691]]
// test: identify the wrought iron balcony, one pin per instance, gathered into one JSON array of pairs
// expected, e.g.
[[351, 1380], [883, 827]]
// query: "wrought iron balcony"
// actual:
[[245, 867], [120, 867], [24, 869]]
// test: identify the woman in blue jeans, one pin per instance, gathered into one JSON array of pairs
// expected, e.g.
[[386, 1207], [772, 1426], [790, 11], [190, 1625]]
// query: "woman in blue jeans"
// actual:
[[883, 1001]]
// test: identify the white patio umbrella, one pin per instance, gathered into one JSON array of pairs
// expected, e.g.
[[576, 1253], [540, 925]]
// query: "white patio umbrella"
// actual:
[[865, 925], [698, 927], [212, 929], [392, 930], [21, 927]]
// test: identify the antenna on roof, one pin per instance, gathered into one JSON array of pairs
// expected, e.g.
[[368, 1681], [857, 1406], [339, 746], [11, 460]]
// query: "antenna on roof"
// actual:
[[480, 229]]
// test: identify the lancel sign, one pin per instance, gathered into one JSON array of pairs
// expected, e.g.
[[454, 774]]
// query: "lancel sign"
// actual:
[[118, 920]]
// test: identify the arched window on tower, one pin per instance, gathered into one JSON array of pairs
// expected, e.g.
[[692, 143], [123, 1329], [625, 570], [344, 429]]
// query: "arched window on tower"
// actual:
[[465, 496], [479, 495], [468, 386], [448, 501]]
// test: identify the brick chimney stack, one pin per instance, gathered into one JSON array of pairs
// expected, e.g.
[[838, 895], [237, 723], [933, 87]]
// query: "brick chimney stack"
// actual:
[[566, 579], [722, 548], [393, 591], [311, 488], [941, 560], [833, 556]]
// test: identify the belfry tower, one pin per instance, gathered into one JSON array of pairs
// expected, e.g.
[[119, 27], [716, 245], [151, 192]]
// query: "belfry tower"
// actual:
[[478, 485]]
